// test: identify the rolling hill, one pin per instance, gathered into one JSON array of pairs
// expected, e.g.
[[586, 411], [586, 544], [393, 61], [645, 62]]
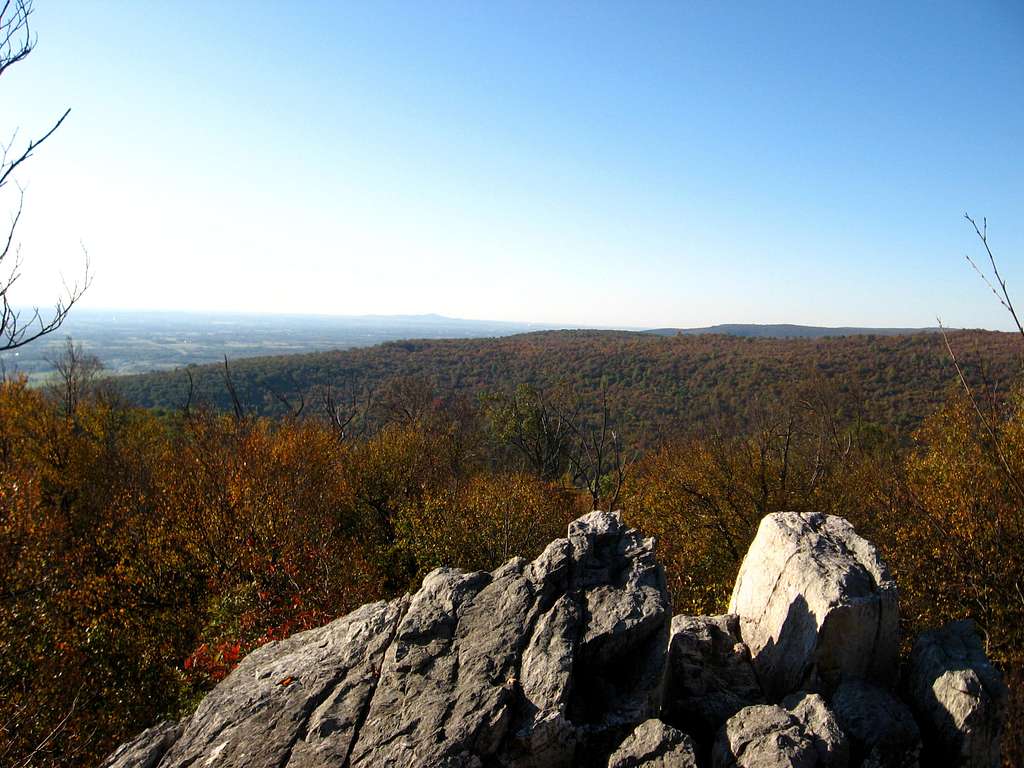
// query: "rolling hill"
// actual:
[[788, 331], [656, 385]]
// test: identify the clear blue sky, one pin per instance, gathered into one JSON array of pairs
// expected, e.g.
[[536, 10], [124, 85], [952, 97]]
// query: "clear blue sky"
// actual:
[[635, 164]]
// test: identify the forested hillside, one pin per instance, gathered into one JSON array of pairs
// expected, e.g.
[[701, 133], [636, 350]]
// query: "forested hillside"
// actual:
[[145, 553], [654, 385]]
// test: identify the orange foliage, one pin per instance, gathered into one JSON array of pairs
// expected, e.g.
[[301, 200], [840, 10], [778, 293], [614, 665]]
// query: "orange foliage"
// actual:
[[142, 556]]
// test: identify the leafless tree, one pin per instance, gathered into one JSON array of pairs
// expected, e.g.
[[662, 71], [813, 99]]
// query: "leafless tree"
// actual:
[[348, 410], [405, 400], [597, 457], [77, 371], [537, 424], [292, 409], [229, 384], [18, 327]]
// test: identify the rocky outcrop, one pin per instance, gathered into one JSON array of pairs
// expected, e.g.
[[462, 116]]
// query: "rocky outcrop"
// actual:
[[550, 662], [296, 702], [959, 697], [816, 604], [573, 659]]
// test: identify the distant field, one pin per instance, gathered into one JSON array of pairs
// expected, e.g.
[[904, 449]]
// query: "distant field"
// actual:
[[140, 342]]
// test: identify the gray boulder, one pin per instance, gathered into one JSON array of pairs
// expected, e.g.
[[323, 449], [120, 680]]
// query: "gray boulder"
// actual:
[[816, 604], [881, 729], [620, 665], [546, 663], [146, 749], [764, 736], [653, 744], [959, 696], [710, 676], [821, 725]]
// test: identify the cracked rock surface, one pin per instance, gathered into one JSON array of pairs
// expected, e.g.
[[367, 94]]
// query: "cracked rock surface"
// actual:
[[880, 727], [710, 675], [820, 724], [146, 749], [550, 662], [765, 736], [654, 745], [816, 604], [292, 703]]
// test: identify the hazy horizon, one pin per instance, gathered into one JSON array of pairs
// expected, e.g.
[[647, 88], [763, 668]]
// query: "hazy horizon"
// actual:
[[596, 165], [92, 311]]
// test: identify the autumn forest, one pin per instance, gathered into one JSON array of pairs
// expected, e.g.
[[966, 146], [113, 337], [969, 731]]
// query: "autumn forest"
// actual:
[[147, 550]]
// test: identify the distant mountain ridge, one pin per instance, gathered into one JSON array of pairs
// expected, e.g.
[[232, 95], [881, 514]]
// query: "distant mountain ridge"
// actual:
[[787, 331]]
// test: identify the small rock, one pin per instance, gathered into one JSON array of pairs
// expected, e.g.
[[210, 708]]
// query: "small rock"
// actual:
[[654, 745], [880, 727], [764, 736], [821, 725], [710, 676], [960, 697]]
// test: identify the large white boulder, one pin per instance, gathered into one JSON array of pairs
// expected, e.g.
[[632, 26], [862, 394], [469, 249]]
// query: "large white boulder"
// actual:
[[816, 604]]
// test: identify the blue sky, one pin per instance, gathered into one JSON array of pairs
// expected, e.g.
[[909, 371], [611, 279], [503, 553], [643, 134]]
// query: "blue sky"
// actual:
[[631, 164]]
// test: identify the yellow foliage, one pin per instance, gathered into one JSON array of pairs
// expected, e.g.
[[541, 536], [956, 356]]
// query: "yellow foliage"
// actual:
[[485, 522]]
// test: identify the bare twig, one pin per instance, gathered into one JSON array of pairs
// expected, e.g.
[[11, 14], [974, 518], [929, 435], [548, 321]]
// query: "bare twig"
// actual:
[[8, 168], [187, 408], [16, 38], [56, 730], [1002, 294], [293, 412]]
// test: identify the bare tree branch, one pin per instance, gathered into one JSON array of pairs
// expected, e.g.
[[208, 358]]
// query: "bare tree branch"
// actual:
[[1002, 295], [8, 167], [187, 408], [16, 38], [236, 404], [16, 330]]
